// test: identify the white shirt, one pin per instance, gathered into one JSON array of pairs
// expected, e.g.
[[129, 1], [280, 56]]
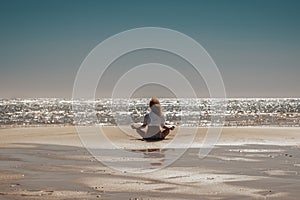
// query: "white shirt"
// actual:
[[152, 119]]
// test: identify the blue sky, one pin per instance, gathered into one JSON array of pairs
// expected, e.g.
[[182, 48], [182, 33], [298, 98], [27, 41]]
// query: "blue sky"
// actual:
[[255, 43]]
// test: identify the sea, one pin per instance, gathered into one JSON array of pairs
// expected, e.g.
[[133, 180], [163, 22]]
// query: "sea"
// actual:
[[186, 112]]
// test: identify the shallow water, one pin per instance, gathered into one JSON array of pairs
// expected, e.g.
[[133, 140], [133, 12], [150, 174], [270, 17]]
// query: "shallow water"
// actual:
[[181, 112]]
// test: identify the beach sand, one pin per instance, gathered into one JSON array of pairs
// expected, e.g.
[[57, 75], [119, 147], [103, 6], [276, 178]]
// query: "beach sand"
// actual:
[[246, 163]]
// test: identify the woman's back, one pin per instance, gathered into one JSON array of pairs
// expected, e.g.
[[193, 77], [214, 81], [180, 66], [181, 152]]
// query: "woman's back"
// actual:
[[152, 119], [155, 121]]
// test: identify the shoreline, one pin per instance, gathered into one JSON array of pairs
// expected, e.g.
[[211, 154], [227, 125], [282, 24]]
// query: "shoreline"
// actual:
[[126, 137], [99, 125]]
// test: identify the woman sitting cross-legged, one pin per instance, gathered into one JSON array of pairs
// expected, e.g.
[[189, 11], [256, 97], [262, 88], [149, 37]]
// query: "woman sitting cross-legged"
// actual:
[[157, 130]]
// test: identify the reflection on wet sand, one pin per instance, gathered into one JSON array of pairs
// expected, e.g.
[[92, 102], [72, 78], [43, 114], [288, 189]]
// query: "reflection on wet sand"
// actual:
[[156, 154]]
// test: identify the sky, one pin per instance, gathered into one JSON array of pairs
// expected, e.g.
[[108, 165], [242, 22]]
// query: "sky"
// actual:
[[254, 43]]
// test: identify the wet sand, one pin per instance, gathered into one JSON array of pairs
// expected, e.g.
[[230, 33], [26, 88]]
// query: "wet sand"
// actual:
[[246, 163]]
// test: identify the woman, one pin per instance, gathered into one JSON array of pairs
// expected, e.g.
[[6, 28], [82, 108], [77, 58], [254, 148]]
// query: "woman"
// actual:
[[155, 121]]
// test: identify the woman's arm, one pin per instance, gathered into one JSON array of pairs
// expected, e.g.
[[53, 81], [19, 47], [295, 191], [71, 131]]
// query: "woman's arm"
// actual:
[[146, 120], [164, 126], [138, 127], [167, 127]]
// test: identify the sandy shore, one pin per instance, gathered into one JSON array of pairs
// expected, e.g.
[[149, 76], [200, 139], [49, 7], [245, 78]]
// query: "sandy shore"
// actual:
[[246, 163]]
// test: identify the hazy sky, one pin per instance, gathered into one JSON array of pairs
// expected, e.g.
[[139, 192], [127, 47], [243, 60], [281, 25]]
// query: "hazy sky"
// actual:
[[255, 43]]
